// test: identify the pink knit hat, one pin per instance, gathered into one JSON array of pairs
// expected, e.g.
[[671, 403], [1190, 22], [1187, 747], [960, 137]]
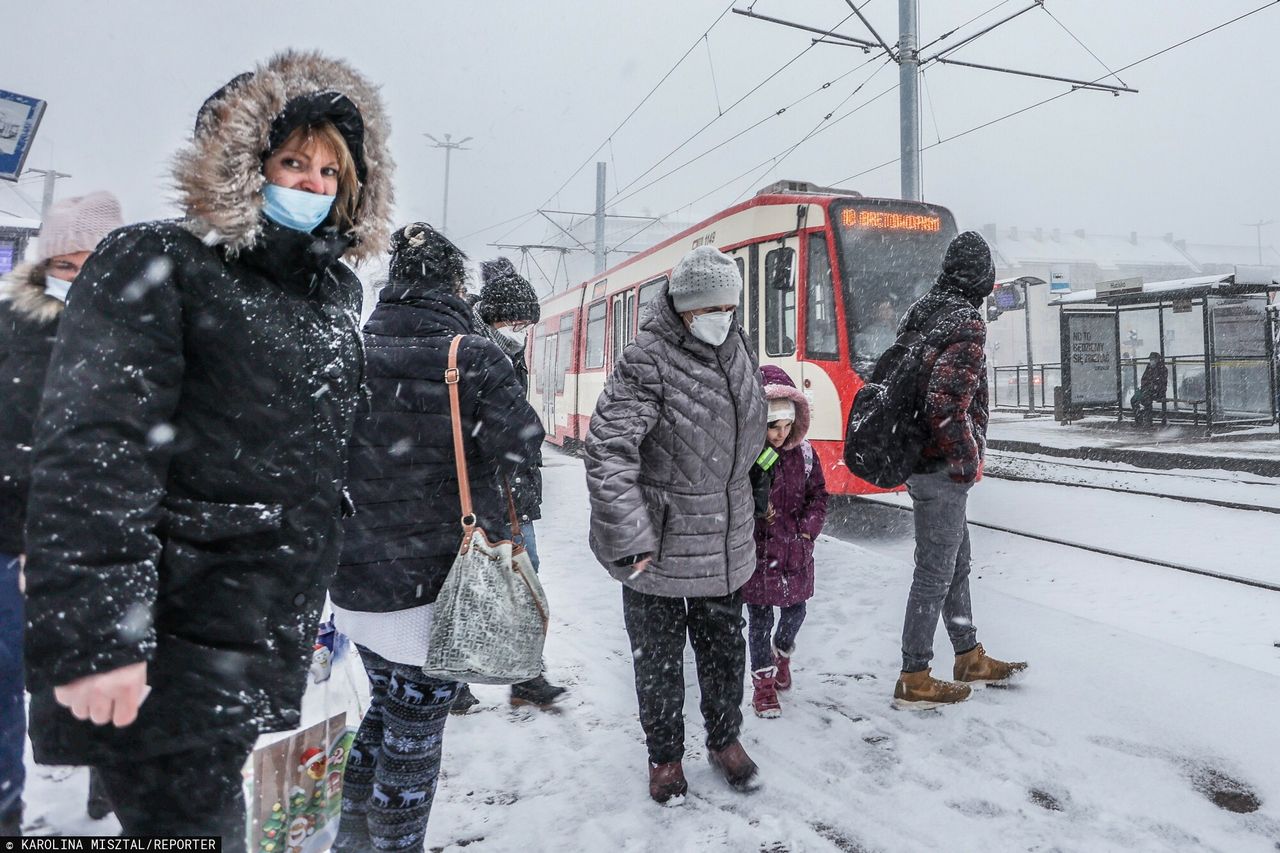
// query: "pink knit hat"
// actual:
[[78, 224]]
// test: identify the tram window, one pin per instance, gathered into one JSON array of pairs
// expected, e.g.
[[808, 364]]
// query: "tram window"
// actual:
[[780, 302], [648, 291], [563, 356], [742, 297], [595, 335], [820, 337]]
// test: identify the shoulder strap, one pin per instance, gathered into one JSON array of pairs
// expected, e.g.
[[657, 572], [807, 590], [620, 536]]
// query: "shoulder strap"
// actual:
[[807, 449], [451, 376]]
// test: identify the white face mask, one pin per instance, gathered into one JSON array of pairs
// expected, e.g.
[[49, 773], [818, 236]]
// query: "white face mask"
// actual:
[[56, 287], [713, 328], [516, 339]]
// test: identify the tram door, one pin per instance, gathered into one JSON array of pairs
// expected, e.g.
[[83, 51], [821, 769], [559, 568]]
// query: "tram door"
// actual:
[[623, 328], [777, 297], [550, 372]]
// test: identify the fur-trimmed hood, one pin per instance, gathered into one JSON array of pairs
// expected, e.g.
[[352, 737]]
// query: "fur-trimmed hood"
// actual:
[[218, 175], [778, 386], [24, 290]]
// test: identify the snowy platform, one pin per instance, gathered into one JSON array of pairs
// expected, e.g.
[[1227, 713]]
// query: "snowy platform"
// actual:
[[1101, 439], [1145, 723]]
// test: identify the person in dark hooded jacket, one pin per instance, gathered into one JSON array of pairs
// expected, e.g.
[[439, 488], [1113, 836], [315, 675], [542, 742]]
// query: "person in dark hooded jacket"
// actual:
[[953, 387], [506, 309], [186, 495], [32, 298], [400, 546]]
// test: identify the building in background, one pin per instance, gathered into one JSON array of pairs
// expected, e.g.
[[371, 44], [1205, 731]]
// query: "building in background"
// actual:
[[1084, 259]]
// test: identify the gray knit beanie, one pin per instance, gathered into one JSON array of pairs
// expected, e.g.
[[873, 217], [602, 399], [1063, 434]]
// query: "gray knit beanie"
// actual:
[[703, 278]]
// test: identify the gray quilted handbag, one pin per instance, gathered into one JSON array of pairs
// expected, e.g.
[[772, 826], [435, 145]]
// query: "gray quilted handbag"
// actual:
[[490, 619]]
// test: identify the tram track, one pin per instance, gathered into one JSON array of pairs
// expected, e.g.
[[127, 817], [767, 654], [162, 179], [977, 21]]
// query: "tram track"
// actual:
[[1000, 473], [1094, 549]]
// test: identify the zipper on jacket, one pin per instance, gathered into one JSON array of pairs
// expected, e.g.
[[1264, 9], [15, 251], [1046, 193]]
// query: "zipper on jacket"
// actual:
[[662, 535], [728, 486]]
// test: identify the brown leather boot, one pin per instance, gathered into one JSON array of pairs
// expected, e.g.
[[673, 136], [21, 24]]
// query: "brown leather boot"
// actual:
[[974, 667], [667, 783], [919, 691], [735, 766]]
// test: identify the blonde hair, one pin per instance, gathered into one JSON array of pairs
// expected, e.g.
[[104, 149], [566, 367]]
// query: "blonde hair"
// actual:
[[347, 202]]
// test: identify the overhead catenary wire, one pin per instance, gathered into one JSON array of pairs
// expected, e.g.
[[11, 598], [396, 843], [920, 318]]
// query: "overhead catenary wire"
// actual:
[[775, 114], [955, 30], [664, 158], [638, 106], [1068, 31], [1051, 99]]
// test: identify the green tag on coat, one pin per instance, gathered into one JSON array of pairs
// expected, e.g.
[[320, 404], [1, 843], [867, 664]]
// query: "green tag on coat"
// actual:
[[767, 458]]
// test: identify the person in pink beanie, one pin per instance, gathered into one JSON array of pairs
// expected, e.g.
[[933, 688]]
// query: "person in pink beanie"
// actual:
[[31, 302]]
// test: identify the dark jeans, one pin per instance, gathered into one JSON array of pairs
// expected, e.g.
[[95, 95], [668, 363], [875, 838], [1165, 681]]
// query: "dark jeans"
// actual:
[[760, 625], [390, 781], [529, 538], [196, 792], [13, 712], [941, 581], [1144, 410], [657, 627]]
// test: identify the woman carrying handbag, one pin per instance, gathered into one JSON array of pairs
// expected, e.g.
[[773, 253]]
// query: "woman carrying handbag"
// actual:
[[405, 537]]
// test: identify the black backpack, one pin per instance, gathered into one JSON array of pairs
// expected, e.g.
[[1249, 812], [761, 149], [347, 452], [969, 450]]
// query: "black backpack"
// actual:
[[886, 430]]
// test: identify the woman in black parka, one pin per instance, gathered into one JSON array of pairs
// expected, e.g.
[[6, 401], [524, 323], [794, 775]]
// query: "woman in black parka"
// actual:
[[400, 546], [186, 496]]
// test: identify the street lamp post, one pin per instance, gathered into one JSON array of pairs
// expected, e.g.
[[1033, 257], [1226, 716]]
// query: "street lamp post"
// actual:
[[448, 145]]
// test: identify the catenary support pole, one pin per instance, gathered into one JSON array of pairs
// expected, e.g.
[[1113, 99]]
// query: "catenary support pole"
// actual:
[[601, 255], [909, 101]]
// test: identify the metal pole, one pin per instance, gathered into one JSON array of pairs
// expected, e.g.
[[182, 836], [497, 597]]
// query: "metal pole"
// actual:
[[909, 102], [601, 258], [448, 145], [444, 215], [51, 177], [1031, 381]]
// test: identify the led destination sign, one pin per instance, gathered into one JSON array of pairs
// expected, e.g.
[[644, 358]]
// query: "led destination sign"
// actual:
[[886, 220]]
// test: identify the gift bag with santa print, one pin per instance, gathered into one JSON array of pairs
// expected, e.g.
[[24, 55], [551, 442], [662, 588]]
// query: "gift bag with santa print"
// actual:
[[296, 789]]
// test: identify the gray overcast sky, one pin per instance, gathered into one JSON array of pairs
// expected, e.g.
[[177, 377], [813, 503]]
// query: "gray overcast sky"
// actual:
[[539, 85]]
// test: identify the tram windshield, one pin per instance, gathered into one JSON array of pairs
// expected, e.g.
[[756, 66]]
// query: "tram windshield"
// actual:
[[890, 254]]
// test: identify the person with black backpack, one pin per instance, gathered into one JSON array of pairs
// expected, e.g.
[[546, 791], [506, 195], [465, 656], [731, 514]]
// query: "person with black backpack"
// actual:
[[922, 419]]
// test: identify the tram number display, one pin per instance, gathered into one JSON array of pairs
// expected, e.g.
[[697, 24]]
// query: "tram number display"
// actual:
[[852, 218]]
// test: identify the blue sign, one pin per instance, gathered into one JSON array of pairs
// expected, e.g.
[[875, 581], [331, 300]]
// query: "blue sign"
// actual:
[[19, 120]]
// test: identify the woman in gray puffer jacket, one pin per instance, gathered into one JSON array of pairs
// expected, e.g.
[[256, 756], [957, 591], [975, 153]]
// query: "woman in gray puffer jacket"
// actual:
[[671, 443]]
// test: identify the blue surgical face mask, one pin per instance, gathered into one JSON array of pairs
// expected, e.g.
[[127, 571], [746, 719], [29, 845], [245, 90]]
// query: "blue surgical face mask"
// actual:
[[296, 209], [56, 287]]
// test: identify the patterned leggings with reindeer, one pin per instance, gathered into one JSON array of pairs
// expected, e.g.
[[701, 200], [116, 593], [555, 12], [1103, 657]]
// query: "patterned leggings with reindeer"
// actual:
[[390, 780]]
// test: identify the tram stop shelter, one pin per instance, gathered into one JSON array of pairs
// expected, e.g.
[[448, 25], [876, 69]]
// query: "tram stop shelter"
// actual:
[[1217, 335]]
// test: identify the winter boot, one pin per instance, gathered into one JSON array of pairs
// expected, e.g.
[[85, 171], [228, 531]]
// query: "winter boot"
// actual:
[[975, 667], [464, 701], [783, 660], [667, 784], [98, 806], [735, 766], [764, 698], [919, 691], [536, 691]]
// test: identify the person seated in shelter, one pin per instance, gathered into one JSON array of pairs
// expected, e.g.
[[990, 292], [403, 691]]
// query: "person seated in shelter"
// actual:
[[1155, 378]]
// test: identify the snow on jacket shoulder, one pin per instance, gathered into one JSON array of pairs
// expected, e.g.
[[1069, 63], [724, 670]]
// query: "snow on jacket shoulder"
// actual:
[[671, 442], [400, 544], [28, 326], [953, 382]]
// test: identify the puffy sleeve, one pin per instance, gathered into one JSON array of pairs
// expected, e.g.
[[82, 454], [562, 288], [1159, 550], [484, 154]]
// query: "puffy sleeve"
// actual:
[[815, 500], [628, 409], [503, 426], [102, 450]]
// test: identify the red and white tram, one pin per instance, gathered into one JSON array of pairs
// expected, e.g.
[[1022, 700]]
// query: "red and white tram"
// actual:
[[827, 274]]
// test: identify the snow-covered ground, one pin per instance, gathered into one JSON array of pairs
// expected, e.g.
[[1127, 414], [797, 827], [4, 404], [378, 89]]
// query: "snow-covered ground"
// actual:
[[1148, 692]]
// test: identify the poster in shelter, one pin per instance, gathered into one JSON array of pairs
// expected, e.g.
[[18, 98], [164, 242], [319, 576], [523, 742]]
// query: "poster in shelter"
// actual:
[[1091, 347]]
